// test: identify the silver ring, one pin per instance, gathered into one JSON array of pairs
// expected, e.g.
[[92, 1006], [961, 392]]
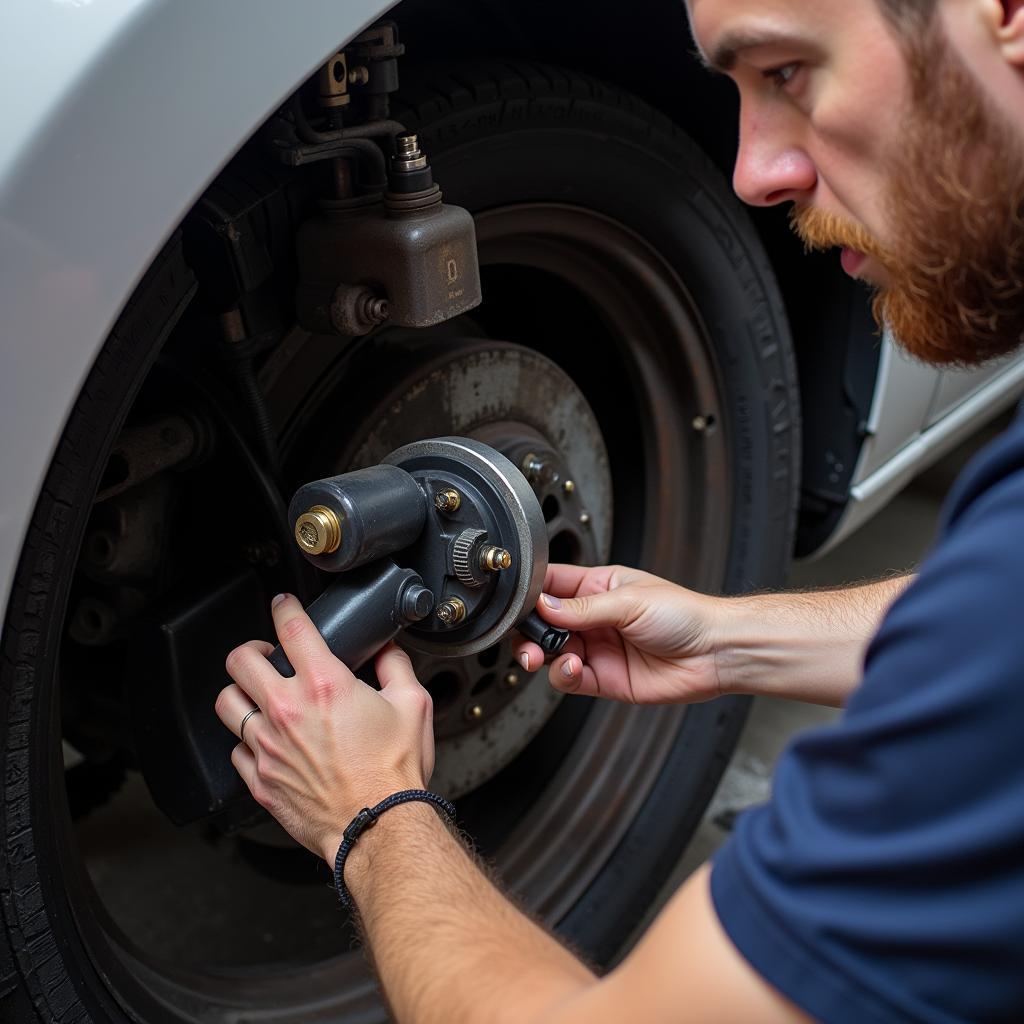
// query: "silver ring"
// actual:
[[245, 718]]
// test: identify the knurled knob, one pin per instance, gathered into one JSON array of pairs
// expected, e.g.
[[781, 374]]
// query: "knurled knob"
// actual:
[[464, 559]]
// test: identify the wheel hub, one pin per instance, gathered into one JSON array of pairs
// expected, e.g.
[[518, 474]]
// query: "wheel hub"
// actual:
[[487, 708]]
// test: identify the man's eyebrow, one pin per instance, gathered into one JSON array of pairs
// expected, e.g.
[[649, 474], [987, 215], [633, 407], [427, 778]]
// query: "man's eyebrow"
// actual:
[[727, 50]]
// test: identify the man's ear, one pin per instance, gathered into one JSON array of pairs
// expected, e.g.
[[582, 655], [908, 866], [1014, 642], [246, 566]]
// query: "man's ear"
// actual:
[[1006, 20]]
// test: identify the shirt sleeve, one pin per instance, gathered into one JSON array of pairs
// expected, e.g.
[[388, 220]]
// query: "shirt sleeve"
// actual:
[[884, 881]]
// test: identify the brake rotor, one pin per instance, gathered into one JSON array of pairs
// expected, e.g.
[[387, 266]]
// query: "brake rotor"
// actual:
[[486, 707]]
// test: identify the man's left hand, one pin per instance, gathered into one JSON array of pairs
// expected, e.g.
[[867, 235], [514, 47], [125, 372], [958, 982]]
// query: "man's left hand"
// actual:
[[325, 744]]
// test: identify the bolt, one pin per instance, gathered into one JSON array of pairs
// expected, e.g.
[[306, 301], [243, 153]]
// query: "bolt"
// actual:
[[448, 500], [416, 603], [474, 712], [372, 309], [451, 611], [511, 679], [569, 486], [494, 559], [584, 519], [539, 472], [358, 76], [318, 531]]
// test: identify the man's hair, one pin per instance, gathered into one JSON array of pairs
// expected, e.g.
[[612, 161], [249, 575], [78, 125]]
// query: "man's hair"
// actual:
[[908, 14]]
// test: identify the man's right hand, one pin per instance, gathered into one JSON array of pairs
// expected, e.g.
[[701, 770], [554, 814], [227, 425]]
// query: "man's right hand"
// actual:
[[636, 638], [641, 639]]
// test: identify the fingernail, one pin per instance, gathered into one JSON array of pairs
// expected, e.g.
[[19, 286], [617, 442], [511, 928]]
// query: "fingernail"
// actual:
[[277, 600], [524, 660], [568, 668], [550, 601]]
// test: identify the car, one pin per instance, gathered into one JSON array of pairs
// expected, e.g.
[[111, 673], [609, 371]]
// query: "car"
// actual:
[[688, 391]]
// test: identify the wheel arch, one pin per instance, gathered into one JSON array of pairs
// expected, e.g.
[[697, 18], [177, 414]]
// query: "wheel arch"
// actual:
[[107, 97]]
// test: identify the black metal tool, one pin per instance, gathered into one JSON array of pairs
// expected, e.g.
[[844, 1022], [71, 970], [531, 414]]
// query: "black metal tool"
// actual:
[[467, 531], [444, 542]]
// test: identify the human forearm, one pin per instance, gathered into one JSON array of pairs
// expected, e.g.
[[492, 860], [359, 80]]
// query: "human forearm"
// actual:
[[804, 645], [445, 942]]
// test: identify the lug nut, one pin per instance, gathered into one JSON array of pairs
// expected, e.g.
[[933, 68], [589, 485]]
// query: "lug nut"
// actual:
[[447, 500], [494, 559], [474, 712], [511, 679], [318, 531], [584, 519], [569, 486], [451, 611]]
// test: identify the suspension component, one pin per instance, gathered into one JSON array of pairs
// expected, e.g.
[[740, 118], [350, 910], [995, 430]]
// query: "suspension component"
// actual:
[[408, 249]]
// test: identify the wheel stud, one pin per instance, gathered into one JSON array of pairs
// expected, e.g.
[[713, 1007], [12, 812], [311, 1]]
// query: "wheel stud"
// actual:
[[451, 611], [494, 559], [569, 486], [538, 471], [584, 519], [447, 500], [474, 712], [511, 680]]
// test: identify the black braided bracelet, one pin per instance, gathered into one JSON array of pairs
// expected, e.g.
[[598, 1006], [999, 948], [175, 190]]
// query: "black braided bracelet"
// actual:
[[366, 818]]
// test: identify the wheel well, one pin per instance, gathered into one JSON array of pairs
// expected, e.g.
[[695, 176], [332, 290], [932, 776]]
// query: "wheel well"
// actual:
[[650, 52]]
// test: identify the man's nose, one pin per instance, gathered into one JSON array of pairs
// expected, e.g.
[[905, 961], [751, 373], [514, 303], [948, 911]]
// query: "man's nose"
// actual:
[[768, 174]]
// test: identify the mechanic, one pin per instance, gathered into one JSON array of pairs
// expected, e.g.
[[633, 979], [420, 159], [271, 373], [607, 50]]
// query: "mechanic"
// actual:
[[884, 880]]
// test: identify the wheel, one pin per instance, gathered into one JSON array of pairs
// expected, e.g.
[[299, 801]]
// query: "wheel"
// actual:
[[631, 353]]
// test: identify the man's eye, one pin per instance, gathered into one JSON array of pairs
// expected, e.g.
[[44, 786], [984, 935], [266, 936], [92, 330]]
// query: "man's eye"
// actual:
[[780, 77]]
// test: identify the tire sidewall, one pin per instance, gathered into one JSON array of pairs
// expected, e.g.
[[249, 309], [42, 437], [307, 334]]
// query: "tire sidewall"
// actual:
[[58, 979]]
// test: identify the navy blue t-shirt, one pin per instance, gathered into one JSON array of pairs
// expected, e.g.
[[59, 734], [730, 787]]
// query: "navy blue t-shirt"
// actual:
[[884, 881]]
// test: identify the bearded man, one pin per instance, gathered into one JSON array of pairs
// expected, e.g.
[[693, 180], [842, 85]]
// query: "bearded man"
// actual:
[[884, 881]]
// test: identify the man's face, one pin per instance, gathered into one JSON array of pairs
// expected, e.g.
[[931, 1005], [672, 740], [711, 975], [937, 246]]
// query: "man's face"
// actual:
[[890, 149]]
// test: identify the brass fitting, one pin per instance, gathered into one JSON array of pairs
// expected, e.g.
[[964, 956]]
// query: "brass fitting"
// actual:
[[318, 531], [494, 559], [447, 500], [451, 611], [334, 82], [409, 156]]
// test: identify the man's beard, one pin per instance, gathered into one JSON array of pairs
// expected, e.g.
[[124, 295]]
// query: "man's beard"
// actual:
[[956, 217]]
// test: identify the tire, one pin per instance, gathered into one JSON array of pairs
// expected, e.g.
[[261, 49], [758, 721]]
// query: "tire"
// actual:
[[532, 151]]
